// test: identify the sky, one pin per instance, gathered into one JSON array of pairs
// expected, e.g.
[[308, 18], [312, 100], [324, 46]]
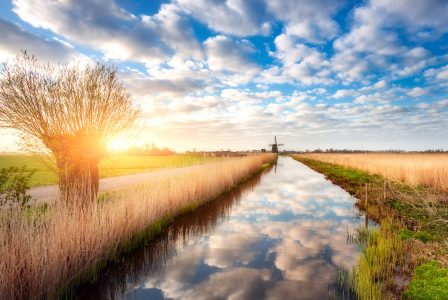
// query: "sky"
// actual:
[[215, 74]]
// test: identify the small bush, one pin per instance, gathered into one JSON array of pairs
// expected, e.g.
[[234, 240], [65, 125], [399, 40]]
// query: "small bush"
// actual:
[[430, 282], [14, 182]]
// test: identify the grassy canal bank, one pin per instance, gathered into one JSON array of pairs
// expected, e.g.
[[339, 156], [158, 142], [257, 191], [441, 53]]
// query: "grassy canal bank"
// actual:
[[50, 254], [407, 256]]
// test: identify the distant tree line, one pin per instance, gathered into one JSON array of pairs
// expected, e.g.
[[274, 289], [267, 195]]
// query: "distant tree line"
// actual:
[[150, 150], [221, 153], [331, 150]]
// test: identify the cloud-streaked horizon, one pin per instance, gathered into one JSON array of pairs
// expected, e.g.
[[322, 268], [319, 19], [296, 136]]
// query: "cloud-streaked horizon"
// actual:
[[232, 74]]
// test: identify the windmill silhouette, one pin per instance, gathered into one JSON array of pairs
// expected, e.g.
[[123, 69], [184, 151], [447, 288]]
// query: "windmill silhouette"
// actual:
[[275, 145]]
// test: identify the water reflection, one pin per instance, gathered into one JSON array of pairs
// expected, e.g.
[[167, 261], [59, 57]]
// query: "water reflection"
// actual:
[[283, 235]]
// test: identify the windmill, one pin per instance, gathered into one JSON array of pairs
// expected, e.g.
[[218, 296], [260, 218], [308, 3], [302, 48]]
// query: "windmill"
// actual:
[[275, 145]]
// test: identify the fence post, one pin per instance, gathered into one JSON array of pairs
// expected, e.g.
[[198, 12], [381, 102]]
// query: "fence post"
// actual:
[[365, 203], [365, 207]]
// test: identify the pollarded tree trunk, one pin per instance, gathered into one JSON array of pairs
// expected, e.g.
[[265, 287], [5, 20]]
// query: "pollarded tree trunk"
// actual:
[[77, 159], [72, 110], [78, 182]]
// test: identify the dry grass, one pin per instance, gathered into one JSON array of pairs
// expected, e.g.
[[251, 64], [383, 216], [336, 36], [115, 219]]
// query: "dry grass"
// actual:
[[430, 170], [43, 253]]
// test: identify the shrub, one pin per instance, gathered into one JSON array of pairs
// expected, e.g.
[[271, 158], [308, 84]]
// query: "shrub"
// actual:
[[14, 182], [430, 282]]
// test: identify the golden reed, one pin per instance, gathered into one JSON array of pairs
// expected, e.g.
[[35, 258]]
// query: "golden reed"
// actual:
[[41, 254], [427, 169]]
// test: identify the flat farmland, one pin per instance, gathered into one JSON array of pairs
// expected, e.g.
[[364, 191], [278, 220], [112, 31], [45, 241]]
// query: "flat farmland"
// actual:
[[114, 165]]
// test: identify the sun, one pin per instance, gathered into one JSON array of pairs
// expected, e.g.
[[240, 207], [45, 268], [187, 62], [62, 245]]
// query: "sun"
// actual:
[[118, 144]]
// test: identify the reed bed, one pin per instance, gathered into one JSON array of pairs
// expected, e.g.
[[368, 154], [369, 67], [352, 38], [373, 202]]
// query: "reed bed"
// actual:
[[383, 254], [415, 169], [44, 253]]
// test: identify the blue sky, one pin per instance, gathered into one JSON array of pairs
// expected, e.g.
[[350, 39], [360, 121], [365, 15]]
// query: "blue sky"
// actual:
[[211, 74]]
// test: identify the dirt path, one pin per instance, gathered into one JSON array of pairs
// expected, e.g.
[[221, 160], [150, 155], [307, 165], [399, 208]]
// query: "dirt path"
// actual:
[[50, 192]]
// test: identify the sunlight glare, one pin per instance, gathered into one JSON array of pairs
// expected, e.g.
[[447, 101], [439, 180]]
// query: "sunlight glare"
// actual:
[[119, 144]]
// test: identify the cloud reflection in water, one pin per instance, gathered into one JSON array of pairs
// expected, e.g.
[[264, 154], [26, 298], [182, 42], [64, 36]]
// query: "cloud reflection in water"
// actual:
[[282, 236]]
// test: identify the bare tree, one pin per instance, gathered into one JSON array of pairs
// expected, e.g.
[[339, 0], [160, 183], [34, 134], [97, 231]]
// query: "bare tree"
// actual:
[[72, 110]]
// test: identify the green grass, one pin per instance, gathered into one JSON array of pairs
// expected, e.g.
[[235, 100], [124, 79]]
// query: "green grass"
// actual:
[[430, 218], [429, 283], [110, 166], [382, 251], [43, 174], [423, 236]]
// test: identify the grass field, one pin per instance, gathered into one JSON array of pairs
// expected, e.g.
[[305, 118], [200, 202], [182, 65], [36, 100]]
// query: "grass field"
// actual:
[[415, 169], [110, 166]]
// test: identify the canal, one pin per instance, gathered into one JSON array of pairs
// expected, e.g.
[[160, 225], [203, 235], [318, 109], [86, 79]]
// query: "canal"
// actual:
[[282, 235]]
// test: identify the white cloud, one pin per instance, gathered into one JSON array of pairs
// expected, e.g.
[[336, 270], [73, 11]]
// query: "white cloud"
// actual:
[[437, 74], [373, 37], [426, 18], [191, 85], [147, 86], [349, 66], [225, 54], [417, 92], [234, 17], [14, 39], [380, 84], [300, 62], [367, 34], [370, 30], [344, 94], [174, 30], [248, 97], [272, 75], [423, 105], [104, 26], [309, 20]]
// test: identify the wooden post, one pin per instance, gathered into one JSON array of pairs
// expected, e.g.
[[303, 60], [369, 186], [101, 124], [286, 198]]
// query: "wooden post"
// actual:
[[365, 207], [365, 203]]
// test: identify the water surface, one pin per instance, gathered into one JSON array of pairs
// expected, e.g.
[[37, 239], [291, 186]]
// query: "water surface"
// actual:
[[282, 235]]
